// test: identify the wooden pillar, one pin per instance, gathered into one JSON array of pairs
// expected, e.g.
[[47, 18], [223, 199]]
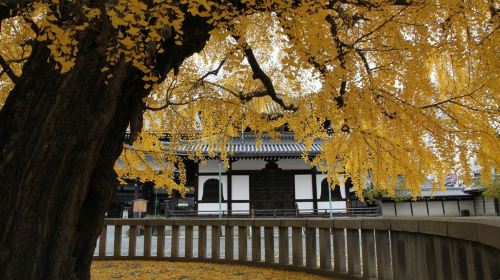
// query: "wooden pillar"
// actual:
[[339, 263], [102, 241], [314, 189], [353, 252], [202, 241], [242, 243], [297, 250], [160, 244], [175, 241], [256, 255], [384, 270], [228, 242], [427, 206], [188, 242], [368, 247], [325, 249], [229, 189], [132, 240], [269, 244], [117, 250], [311, 247], [147, 241], [196, 186], [283, 246], [216, 231]]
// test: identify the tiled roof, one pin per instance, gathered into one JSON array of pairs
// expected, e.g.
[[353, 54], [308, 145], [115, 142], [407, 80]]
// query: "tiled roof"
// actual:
[[430, 193], [246, 146]]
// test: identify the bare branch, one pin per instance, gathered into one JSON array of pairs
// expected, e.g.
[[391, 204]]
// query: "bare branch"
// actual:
[[451, 99], [214, 72]]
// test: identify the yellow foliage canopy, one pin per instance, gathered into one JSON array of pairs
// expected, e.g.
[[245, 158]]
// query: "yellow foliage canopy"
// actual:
[[410, 88]]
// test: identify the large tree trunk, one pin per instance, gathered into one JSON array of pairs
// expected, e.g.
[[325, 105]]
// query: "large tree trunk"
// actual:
[[60, 136]]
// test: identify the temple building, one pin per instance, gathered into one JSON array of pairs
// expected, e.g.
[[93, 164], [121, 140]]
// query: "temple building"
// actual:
[[272, 179]]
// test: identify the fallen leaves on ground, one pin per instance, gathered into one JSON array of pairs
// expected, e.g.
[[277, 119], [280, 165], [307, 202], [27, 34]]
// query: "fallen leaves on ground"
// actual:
[[158, 270]]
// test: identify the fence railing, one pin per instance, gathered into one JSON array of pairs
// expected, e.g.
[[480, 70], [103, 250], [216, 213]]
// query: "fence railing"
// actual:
[[365, 211], [382, 248]]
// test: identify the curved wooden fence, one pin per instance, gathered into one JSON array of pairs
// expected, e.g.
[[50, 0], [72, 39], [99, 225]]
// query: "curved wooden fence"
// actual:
[[353, 248]]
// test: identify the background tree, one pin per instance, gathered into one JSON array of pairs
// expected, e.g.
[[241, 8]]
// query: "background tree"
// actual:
[[410, 88]]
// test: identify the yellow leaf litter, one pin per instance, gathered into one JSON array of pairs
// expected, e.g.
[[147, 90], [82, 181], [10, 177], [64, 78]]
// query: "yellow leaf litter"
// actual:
[[158, 270]]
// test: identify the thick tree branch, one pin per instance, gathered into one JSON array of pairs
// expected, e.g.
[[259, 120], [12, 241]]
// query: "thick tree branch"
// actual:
[[6, 68], [259, 74], [32, 24]]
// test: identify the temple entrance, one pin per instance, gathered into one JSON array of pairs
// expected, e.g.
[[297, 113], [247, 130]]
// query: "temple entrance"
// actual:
[[272, 189]]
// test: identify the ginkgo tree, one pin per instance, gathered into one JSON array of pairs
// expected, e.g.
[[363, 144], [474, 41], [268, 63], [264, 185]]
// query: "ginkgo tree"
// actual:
[[393, 89]]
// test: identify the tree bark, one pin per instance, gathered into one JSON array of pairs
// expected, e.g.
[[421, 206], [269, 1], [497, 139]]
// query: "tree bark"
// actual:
[[60, 135]]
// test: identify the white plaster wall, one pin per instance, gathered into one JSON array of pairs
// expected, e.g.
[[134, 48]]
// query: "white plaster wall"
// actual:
[[240, 185], [388, 209], [305, 205], [435, 208], [293, 164], [243, 207], [403, 208], [451, 208], [248, 164], [479, 205], [319, 179], [211, 166], [203, 179], [467, 205], [490, 206], [419, 208], [337, 206], [303, 187], [212, 208]]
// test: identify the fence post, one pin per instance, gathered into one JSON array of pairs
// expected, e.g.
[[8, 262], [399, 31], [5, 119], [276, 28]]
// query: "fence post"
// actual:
[[325, 253], [202, 241], [118, 241], [229, 242], [147, 241], [132, 240], [297, 250], [339, 263], [102, 241], [216, 231], [311, 247], [256, 255], [368, 247], [269, 244], [384, 270], [242, 243], [188, 241], [283, 245], [175, 241], [160, 245], [353, 252]]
